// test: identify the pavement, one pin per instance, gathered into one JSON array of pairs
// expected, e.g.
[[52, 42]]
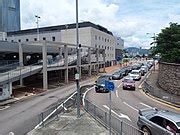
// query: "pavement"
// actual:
[[69, 124], [161, 94]]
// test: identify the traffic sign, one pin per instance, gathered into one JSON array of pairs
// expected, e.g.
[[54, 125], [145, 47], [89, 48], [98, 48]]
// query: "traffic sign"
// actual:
[[109, 85]]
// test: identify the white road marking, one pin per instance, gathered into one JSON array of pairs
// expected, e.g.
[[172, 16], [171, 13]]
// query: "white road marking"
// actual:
[[119, 115], [61, 105], [117, 93], [4, 107], [146, 105], [119, 85], [84, 95], [130, 106]]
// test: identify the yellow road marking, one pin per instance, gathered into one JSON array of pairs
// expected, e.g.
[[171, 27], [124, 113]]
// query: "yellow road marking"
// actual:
[[157, 100]]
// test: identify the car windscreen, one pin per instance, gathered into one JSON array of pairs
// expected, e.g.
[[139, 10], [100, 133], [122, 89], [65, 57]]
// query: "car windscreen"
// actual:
[[134, 72], [101, 80], [178, 124], [128, 80]]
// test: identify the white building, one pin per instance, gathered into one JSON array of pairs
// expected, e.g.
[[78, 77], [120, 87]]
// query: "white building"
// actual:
[[89, 34]]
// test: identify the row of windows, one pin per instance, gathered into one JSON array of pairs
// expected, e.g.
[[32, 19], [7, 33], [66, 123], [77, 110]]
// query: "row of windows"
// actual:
[[35, 39], [102, 38], [105, 47]]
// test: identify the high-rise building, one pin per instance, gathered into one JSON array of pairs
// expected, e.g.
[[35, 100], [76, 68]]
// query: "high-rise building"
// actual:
[[9, 15]]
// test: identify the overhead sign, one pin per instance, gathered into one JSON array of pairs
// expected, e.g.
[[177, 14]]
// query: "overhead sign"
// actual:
[[109, 85]]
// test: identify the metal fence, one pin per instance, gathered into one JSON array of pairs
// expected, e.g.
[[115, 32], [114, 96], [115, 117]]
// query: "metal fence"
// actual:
[[49, 114], [118, 126], [161, 93]]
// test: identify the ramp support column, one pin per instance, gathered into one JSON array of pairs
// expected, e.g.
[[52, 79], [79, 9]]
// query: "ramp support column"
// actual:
[[89, 61], [45, 78], [21, 64], [66, 63]]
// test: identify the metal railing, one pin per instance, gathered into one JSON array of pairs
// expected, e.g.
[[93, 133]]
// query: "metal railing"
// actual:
[[47, 115], [19, 71], [8, 66], [157, 92], [118, 126]]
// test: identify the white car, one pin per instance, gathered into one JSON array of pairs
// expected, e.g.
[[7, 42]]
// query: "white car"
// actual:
[[135, 74], [144, 69]]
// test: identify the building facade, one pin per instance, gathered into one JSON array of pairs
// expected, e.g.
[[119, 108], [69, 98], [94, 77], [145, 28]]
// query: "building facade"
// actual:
[[89, 35], [119, 48], [9, 15]]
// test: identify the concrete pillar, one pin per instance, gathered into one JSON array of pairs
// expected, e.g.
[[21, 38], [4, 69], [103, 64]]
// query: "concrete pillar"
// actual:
[[45, 78], [97, 60], [21, 64], [89, 61], [104, 60], [66, 63], [60, 52]]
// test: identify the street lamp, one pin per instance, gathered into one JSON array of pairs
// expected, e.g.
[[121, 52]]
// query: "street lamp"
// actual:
[[37, 21], [77, 76]]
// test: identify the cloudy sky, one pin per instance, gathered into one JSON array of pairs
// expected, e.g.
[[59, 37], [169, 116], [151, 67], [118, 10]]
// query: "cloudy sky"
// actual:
[[130, 19]]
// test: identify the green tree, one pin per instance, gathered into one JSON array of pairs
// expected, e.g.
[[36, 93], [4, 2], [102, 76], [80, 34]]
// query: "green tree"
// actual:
[[168, 44]]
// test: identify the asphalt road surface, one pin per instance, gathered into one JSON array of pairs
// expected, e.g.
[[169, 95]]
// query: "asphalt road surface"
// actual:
[[22, 117], [126, 103]]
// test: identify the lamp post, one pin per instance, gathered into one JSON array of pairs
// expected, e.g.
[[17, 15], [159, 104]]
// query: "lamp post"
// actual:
[[37, 21], [77, 76]]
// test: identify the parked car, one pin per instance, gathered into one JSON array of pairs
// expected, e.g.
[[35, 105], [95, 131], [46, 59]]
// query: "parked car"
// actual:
[[128, 83], [158, 122], [135, 74], [117, 76], [100, 84]]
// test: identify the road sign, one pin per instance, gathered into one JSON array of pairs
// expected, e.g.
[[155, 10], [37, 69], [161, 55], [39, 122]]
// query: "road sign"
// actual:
[[109, 85]]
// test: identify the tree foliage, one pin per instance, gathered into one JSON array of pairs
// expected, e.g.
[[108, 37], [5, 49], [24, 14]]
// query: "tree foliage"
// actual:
[[168, 44]]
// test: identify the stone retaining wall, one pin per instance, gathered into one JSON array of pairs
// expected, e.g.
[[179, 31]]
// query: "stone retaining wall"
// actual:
[[169, 77]]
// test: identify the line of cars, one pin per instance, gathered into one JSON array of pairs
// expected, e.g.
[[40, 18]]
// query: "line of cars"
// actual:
[[131, 73]]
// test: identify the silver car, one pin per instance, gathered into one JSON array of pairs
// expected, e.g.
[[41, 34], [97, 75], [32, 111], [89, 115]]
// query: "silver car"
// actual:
[[159, 122]]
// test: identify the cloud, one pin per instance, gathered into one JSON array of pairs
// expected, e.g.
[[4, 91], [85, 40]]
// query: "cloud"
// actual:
[[131, 19]]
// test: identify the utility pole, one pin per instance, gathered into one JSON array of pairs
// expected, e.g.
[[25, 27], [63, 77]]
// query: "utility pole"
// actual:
[[37, 21], [78, 63]]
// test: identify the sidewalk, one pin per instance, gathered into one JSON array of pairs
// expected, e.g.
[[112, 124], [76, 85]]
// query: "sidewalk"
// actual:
[[69, 124], [159, 93]]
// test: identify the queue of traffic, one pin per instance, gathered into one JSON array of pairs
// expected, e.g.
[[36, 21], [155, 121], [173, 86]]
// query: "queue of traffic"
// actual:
[[129, 73]]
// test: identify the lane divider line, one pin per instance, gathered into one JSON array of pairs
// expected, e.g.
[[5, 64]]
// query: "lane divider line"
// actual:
[[120, 116], [131, 106], [84, 95], [146, 105]]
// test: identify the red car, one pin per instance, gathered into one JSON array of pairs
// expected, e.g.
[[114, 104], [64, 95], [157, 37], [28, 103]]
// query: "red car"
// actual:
[[128, 83]]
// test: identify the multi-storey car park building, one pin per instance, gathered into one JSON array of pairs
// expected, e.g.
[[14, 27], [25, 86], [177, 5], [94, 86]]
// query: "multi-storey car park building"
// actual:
[[9, 15], [90, 34]]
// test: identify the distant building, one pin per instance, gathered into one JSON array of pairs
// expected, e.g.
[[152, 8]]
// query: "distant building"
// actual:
[[119, 47], [3, 36], [9, 15], [89, 34]]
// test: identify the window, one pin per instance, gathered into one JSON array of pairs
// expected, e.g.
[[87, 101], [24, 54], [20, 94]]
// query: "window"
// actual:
[[99, 46], [108, 47], [102, 38], [99, 38], [1, 91], [105, 47], [53, 38], [27, 40], [19, 40], [95, 45], [35, 39], [105, 39], [44, 38], [95, 37], [102, 46], [12, 40], [5, 39]]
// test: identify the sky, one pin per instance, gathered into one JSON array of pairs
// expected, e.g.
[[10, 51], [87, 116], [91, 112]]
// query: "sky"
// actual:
[[130, 19]]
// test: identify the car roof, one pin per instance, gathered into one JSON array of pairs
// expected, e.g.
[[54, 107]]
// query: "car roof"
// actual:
[[135, 70], [175, 117]]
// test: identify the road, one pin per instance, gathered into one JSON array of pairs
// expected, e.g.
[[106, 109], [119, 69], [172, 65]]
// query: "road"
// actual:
[[21, 117], [126, 103]]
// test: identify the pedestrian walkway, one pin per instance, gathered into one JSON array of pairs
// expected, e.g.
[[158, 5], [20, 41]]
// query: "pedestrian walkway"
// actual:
[[69, 124], [153, 89]]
